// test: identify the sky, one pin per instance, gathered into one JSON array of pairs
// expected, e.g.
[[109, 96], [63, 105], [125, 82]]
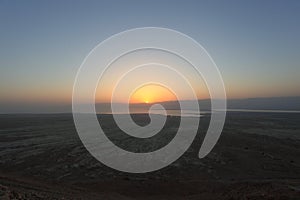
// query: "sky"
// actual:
[[255, 44]]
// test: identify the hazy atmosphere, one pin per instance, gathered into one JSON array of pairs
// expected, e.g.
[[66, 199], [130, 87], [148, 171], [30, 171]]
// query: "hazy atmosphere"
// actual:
[[151, 100], [255, 45]]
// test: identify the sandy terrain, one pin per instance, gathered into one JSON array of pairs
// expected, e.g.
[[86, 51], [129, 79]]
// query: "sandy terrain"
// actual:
[[257, 157]]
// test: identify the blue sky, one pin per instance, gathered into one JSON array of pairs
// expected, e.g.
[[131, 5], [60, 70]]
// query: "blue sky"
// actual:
[[42, 43]]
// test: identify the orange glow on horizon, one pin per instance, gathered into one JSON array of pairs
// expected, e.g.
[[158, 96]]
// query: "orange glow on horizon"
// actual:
[[151, 94]]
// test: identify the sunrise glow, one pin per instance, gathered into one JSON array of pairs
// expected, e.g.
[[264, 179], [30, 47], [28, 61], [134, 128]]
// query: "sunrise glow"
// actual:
[[152, 93]]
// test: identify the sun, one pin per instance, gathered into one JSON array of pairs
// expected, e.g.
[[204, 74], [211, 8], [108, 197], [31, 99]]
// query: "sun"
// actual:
[[152, 93]]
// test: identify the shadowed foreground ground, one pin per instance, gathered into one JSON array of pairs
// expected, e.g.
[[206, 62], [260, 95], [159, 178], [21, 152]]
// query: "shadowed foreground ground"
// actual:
[[257, 157]]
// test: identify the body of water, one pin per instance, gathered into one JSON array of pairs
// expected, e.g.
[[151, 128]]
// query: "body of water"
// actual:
[[192, 113]]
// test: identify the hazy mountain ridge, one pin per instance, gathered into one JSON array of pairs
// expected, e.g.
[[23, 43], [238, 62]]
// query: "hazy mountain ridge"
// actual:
[[269, 103]]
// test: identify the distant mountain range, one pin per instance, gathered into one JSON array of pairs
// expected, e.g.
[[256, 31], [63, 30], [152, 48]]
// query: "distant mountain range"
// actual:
[[270, 103]]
